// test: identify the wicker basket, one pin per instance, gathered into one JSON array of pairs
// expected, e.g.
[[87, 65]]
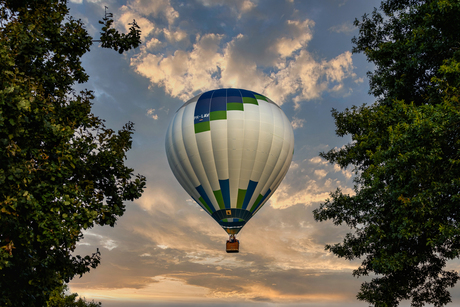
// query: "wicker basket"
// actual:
[[233, 247]]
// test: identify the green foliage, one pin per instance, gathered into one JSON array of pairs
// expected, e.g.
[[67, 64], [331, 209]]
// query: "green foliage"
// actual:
[[59, 298], [61, 170], [111, 38], [406, 156], [408, 45]]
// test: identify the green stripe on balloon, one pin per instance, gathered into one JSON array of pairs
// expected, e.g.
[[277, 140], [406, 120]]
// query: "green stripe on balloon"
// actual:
[[240, 199], [202, 127], [216, 115], [250, 100], [235, 106], [219, 198], [257, 202], [261, 97], [205, 204]]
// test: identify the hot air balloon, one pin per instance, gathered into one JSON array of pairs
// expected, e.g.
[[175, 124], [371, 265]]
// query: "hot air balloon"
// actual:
[[230, 149]]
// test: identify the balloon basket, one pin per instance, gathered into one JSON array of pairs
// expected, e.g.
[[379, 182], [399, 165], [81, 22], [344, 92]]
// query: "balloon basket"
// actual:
[[233, 247]]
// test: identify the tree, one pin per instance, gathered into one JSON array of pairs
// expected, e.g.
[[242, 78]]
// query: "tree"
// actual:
[[405, 151], [61, 170], [59, 298]]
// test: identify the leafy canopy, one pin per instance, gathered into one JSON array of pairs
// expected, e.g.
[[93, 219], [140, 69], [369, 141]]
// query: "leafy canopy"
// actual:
[[61, 170], [405, 213], [59, 298]]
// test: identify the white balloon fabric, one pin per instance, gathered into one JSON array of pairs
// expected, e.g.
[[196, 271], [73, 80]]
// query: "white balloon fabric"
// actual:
[[230, 149]]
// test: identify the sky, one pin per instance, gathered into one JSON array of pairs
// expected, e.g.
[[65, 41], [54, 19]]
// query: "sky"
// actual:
[[165, 250]]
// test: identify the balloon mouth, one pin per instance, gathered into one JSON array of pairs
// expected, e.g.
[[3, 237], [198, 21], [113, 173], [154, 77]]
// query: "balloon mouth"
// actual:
[[232, 231], [232, 220], [231, 228]]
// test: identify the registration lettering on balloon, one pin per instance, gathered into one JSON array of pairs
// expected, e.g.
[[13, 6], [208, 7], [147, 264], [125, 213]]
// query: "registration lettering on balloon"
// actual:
[[230, 149]]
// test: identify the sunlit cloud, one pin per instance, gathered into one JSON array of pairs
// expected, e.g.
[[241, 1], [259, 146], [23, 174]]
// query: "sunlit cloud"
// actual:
[[151, 113], [297, 123], [175, 36], [318, 180], [155, 9], [94, 239], [278, 65], [320, 173], [284, 197], [300, 32], [205, 68], [293, 165], [318, 160], [183, 73], [127, 16], [143, 269], [168, 244], [347, 173], [174, 289], [359, 80], [159, 289]]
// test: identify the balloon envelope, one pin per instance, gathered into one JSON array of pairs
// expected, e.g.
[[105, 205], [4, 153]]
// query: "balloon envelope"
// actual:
[[230, 149]]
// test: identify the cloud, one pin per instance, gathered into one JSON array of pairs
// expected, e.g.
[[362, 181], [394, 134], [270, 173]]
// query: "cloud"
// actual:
[[277, 65], [318, 160], [174, 36], [320, 173], [297, 123], [151, 44], [299, 33], [339, 67], [166, 244], [348, 174], [206, 67], [359, 80], [308, 185], [289, 268], [155, 9], [284, 198], [293, 165], [97, 239], [183, 73], [128, 15], [237, 7], [247, 6], [268, 267], [346, 28], [151, 113]]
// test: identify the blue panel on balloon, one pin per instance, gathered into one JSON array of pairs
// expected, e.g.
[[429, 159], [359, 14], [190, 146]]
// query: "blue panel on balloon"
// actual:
[[202, 108], [249, 192], [234, 95], [225, 189], [246, 93], [219, 100], [205, 197]]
